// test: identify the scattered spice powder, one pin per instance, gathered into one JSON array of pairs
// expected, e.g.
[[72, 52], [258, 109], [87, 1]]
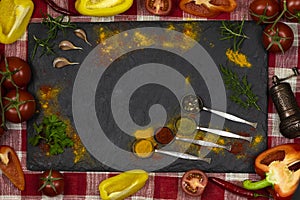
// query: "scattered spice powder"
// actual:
[[238, 58], [48, 99]]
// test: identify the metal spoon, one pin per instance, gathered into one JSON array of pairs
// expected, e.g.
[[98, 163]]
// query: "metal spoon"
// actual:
[[194, 104], [169, 153], [165, 132], [188, 126], [204, 143], [182, 155]]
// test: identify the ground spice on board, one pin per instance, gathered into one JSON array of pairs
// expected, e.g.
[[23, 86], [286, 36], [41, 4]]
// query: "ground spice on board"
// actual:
[[48, 99], [238, 58]]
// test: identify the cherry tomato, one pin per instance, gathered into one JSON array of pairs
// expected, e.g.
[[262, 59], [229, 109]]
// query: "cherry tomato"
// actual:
[[51, 183], [263, 11], [16, 70], [207, 8], [278, 39], [159, 7], [194, 182], [23, 102], [293, 10]]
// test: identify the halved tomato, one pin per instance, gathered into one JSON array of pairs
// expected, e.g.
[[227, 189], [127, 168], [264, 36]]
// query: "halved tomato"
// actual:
[[207, 8], [159, 7], [194, 182]]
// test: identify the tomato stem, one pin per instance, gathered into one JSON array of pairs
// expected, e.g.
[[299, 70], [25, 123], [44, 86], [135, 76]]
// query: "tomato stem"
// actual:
[[280, 15]]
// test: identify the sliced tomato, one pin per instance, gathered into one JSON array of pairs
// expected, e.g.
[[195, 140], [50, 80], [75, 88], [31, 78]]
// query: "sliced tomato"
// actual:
[[194, 182], [207, 8], [159, 7], [11, 167]]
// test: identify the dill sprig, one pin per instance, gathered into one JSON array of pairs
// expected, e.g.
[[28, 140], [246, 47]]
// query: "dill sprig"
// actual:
[[54, 25], [242, 93], [234, 32]]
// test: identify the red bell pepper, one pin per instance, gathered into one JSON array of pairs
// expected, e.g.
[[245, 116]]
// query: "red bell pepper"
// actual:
[[280, 168]]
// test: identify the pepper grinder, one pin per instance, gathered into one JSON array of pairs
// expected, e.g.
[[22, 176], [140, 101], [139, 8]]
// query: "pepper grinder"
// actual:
[[286, 106]]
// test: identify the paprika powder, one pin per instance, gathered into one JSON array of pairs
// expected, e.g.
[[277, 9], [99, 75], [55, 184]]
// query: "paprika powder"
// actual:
[[14, 19], [280, 168]]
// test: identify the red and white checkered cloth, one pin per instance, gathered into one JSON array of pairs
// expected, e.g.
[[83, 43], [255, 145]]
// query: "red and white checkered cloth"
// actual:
[[84, 185]]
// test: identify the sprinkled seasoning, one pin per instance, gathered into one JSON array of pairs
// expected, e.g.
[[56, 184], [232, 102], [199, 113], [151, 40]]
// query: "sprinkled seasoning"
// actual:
[[48, 99], [238, 58]]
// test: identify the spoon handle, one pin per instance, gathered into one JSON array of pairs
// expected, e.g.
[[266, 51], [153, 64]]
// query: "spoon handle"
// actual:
[[225, 133], [182, 155], [204, 143], [230, 117]]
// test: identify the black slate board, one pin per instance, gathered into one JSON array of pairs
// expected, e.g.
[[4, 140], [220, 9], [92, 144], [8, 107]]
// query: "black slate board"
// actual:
[[125, 60]]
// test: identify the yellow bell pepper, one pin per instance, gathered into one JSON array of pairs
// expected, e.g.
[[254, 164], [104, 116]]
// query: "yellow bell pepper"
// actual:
[[123, 185], [14, 18], [102, 7]]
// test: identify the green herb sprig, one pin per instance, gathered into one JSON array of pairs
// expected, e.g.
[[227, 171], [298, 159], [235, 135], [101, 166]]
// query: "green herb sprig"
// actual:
[[52, 131], [54, 25], [234, 32], [242, 93]]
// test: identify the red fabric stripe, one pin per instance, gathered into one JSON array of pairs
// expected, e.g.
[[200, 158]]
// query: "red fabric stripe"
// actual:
[[165, 187], [76, 183], [40, 8], [271, 60], [32, 185]]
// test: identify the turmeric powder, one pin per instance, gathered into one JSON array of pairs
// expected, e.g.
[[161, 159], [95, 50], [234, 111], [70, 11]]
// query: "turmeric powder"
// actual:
[[143, 148], [238, 58]]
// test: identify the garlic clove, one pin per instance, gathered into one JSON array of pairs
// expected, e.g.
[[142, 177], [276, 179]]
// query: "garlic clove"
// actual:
[[67, 45], [81, 34], [60, 62]]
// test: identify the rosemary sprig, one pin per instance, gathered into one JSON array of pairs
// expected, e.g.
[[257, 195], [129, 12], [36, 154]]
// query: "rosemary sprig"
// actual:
[[54, 25], [44, 43], [233, 31], [242, 93]]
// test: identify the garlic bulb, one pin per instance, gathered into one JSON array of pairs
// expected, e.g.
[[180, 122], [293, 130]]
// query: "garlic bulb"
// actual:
[[60, 62]]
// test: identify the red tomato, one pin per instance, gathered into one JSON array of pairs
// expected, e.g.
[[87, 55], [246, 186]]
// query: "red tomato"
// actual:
[[52, 183], [194, 182], [23, 102], [293, 10], [278, 39], [159, 7], [16, 70], [263, 11], [207, 8]]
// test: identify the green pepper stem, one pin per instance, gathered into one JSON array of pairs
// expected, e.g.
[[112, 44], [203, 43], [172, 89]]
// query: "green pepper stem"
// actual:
[[250, 185]]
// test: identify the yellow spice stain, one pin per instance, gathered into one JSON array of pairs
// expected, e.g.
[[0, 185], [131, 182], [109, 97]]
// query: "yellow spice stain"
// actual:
[[238, 58], [48, 99], [142, 40], [144, 133], [188, 80]]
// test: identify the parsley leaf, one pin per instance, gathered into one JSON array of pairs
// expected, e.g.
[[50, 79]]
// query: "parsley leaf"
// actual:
[[52, 131]]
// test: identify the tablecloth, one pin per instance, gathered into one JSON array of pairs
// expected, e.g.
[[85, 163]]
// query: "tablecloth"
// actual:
[[84, 185]]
